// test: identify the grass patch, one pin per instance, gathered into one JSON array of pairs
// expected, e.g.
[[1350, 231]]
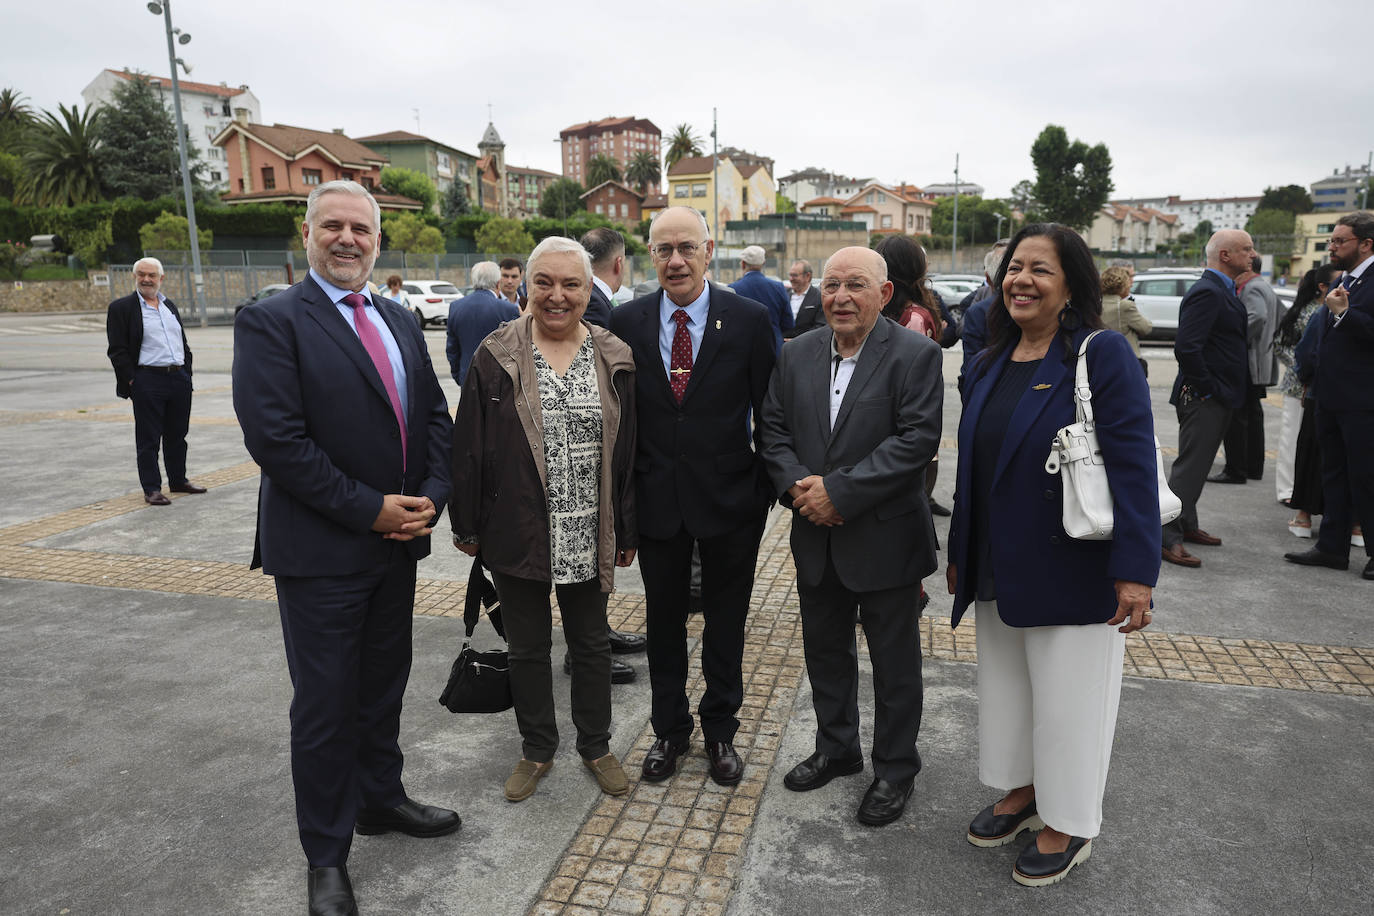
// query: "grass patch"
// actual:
[[51, 272]]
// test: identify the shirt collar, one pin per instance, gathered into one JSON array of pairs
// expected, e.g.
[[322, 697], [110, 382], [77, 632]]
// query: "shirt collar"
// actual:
[[1362, 267], [1230, 284], [835, 350], [603, 286], [144, 302], [696, 309], [336, 293]]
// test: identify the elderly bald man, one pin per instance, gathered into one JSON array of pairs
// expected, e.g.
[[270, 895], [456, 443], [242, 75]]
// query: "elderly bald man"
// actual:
[[152, 365], [1212, 367], [851, 419]]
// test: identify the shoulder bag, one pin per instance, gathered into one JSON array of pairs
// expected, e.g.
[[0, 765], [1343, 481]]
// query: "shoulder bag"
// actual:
[[479, 681]]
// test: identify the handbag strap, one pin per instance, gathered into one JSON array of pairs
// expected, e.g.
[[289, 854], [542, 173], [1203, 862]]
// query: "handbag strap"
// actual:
[[481, 594], [1082, 392]]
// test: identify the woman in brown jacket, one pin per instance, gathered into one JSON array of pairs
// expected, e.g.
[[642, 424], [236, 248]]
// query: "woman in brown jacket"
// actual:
[[543, 449], [1120, 313]]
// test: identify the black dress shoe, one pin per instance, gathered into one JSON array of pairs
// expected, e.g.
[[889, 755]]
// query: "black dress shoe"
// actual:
[[1315, 557], [1226, 477], [989, 830], [156, 498], [1368, 570], [884, 801], [331, 893], [625, 643], [409, 817], [725, 767], [621, 673], [1036, 869], [661, 761], [937, 509], [818, 769], [186, 487]]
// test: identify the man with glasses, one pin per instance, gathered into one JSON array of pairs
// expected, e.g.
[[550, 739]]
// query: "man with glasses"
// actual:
[[1345, 397], [703, 356], [806, 301]]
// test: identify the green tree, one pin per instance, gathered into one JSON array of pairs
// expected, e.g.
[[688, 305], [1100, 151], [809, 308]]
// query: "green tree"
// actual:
[[1023, 197], [1072, 180], [137, 141], [783, 204], [455, 201], [602, 168], [170, 232], [410, 183], [1203, 230], [681, 145], [61, 161], [504, 236], [16, 117], [409, 233], [1291, 197], [562, 197], [11, 173], [1272, 230], [977, 218], [643, 170]]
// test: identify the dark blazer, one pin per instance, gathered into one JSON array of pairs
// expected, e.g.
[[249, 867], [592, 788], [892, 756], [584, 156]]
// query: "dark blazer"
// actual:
[[318, 421], [1345, 377], [873, 462], [124, 330], [1210, 343], [1045, 577], [598, 311], [696, 465], [470, 320], [974, 336], [809, 317], [754, 285]]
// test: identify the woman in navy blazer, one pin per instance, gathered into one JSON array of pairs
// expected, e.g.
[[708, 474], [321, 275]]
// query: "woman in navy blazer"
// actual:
[[1049, 650]]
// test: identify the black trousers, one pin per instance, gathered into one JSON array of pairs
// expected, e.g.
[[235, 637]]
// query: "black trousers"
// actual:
[[727, 581], [890, 619], [348, 650], [1244, 441], [1346, 439], [1201, 426], [528, 617], [162, 415]]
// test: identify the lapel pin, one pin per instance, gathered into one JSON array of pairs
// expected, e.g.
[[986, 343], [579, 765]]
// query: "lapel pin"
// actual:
[[717, 324], [1041, 387]]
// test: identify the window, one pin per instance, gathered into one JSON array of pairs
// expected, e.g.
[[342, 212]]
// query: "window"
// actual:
[[269, 178], [598, 209], [444, 163], [624, 211], [208, 111], [367, 182], [215, 176], [311, 176], [1319, 246], [1326, 227], [744, 197], [887, 221], [1156, 287], [224, 109], [346, 176], [682, 190], [910, 220], [699, 189], [241, 185]]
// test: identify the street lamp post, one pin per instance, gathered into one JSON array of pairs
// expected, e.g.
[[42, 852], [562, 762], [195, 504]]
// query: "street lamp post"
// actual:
[[164, 9]]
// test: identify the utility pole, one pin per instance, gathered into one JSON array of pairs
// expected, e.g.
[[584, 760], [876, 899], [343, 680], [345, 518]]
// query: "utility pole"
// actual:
[[715, 197], [954, 236], [1368, 177]]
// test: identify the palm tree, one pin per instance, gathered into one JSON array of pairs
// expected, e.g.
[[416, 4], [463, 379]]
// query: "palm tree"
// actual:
[[15, 118], [60, 159], [601, 168], [643, 170], [682, 144]]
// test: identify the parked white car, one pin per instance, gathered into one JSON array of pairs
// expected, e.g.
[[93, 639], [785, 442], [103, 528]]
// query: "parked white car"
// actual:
[[429, 299], [1158, 295]]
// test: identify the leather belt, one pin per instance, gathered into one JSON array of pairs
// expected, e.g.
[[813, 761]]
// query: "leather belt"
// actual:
[[166, 369]]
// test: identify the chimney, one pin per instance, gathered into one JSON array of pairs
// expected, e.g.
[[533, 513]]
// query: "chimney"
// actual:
[[339, 131], [241, 115]]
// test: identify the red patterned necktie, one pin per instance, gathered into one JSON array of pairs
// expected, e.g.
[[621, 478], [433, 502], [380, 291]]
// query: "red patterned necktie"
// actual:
[[372, 343], [680, 367]]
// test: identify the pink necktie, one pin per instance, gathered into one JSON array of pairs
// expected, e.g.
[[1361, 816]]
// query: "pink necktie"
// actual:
[[680, 357], [372, 343]]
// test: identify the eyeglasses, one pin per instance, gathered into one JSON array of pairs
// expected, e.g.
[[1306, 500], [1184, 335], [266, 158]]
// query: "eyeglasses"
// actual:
[[687, 250], [855, 286], [1336, 243]]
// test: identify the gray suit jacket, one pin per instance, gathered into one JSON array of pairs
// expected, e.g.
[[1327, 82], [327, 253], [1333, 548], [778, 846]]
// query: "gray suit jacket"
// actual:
[[1262, 314], [873, 462]]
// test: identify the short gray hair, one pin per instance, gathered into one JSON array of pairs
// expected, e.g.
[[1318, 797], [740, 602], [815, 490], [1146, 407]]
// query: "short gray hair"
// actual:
[[705, 229], [153, 261], [993, 259], [342, 187], [559, 243], [485, 275]]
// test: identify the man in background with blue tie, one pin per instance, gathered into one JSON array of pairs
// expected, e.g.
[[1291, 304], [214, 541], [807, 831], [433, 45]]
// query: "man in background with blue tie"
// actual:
[[341, 409]]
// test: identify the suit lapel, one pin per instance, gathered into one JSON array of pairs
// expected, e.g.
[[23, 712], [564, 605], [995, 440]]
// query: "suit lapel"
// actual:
[[874, 350], [819, 383], [717, 326], [645, 339], [327, 316], [1052, 373]]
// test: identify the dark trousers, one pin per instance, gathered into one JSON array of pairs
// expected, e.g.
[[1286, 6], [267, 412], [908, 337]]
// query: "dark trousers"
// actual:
[[528, 617], [727, 581], [832, 665], [162, 415], [1346, 440], [1244, 440], [1201, 426], [348, 650]]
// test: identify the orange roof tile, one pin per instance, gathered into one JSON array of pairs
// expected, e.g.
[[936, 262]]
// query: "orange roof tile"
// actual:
[[224, 92]]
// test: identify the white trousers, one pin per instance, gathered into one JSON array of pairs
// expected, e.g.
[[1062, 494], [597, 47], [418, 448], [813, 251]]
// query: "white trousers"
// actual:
[[1288, 447], [1047, 701]]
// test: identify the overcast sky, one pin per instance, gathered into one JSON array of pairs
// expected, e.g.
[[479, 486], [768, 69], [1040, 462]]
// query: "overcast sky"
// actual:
[[1192, 98]]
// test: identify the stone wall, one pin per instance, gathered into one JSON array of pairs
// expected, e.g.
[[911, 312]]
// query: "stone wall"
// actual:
[[54, 296]]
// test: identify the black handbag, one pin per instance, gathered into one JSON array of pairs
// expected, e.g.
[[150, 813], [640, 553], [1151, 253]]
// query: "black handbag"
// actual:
[[479, 681]]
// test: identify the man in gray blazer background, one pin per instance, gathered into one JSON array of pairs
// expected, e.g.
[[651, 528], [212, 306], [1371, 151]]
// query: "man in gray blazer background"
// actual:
[[851, 419]]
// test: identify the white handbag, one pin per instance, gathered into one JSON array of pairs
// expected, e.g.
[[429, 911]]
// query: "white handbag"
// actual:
[[1077, 458]]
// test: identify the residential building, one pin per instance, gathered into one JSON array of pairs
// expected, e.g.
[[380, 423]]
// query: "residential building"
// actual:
[[946, 189], [742, 158], [811, 183], [615, 201], [525, 189], [283, 163], [443, 164], [1341, 190], [890, 210], [786, 237], [1311, 236], [1138, 230], [745, 191], [822, 206], [653, 205], [206, 109], [619, 138], [1221, 212]]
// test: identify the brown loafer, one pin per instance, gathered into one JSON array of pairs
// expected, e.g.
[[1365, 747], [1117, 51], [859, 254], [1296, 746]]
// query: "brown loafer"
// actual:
[[524, 778], [610, 776], [1198, 536], [156, 498], [1180, 557]]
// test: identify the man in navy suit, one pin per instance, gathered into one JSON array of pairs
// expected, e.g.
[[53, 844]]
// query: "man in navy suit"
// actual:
[[703, 356], [341, 409], [1345, 397], [1212, 367], [805, 301], [606, 247], [473, 317], [754, 285]]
